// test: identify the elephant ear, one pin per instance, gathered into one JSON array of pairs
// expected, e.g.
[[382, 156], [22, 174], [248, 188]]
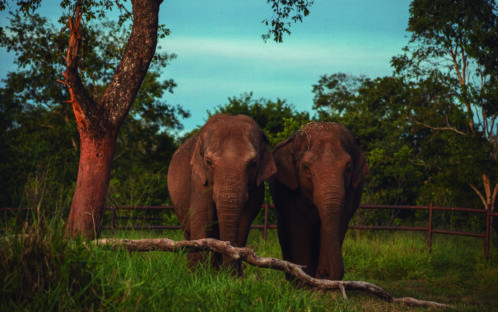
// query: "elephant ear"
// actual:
[[361, 166], [197, 161], [283, 155], [267, 166]]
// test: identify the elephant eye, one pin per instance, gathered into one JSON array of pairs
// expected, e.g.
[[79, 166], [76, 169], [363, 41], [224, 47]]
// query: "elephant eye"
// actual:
[[349, 167], [307, 169], [209, 161], [253, 162]]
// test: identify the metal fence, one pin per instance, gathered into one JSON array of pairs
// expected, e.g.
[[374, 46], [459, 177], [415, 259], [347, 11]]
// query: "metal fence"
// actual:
[[429, 229], [114, 223]]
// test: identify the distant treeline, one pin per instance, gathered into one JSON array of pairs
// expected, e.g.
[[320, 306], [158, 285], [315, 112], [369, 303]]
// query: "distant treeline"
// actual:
[[429, 130]]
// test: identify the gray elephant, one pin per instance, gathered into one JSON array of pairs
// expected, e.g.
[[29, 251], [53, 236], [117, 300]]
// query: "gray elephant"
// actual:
[[215, 180], [316, 191]]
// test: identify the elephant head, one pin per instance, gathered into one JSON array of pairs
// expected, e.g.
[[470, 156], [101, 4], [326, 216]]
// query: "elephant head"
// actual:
[[321, 169], [232, 147], [228, 160]]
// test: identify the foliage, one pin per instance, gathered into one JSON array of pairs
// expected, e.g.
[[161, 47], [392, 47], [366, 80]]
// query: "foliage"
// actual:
[[409, 162], [38, 129], [451, 58], [277, 118], [41, 270], [374, 111], [370, 109], [93, 278], [285, 12], [429, 130], [39, 158], [454, 43], [42, 57], [403, 263]]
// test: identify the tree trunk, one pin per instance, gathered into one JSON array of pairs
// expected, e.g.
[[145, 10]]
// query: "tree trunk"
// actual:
[[91, 186], [99, 120]]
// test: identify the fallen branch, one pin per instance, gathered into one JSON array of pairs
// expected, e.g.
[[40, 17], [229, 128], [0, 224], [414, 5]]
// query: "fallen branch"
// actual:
[[249, 256]]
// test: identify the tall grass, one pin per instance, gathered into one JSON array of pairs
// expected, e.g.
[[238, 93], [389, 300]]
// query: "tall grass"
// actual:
[[41, 271]]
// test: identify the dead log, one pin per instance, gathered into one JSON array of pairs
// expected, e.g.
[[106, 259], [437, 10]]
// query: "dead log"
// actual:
[[249, 256]]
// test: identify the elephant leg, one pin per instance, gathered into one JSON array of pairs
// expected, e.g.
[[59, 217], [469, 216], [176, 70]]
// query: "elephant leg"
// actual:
[[276, 189], [214, 232], [251, 210], [284, 240], [283, 237], [305, 246], [183, 218], [298, 237], [203, 224]]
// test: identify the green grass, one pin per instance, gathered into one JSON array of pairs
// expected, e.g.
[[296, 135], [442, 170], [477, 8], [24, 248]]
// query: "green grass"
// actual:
[[42, 272]]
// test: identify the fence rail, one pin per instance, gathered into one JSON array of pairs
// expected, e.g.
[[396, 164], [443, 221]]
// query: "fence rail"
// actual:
[[429, 228]]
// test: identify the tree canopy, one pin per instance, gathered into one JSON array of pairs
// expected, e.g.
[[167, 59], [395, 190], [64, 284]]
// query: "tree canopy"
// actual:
[[34, 110], [455, 43], [429, 130], [100, 115], [277, 118]]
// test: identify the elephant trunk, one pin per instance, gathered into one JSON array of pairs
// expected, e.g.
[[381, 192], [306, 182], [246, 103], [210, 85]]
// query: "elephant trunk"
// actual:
[[230, 200], [329, 199]]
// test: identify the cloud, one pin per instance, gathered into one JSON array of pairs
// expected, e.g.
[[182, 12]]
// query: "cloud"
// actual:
[[208, 70], [308, 56]]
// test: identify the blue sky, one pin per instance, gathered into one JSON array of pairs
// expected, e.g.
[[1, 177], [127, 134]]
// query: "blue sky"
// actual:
[[220, 52]]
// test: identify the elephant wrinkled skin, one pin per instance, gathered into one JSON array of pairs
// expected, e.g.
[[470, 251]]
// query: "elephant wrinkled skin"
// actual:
[[215, 180], [316, 190]]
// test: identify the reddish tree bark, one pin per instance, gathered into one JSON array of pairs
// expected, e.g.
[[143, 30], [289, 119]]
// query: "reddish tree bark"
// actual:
[[99, 120]]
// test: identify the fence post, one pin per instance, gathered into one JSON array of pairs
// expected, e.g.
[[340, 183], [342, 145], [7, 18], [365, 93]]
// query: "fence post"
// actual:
[[429, 230], [488, 231], [113, 218], [265, 226]]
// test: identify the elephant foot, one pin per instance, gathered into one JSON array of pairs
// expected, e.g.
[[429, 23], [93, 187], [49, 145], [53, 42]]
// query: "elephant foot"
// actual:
[[236, 268], [194, 259], [243, 266]]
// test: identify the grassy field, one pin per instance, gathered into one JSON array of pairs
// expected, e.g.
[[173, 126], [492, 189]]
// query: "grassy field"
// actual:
[[42, 272]]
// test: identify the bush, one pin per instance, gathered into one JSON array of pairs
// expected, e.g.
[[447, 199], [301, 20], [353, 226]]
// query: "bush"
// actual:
[[42, 270]]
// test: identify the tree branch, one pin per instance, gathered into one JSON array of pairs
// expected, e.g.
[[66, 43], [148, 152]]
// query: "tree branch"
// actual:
[[491, 127], [122, 7], [461, 73], [139, 51], [81, 100], [440, 128], [479, 193], [250, 257], [464, 63], [487, 188], [490, 196], [494, 196], [453, 54]]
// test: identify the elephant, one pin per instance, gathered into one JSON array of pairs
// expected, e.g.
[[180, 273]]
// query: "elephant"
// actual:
[[317, 188], [215, 181]]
